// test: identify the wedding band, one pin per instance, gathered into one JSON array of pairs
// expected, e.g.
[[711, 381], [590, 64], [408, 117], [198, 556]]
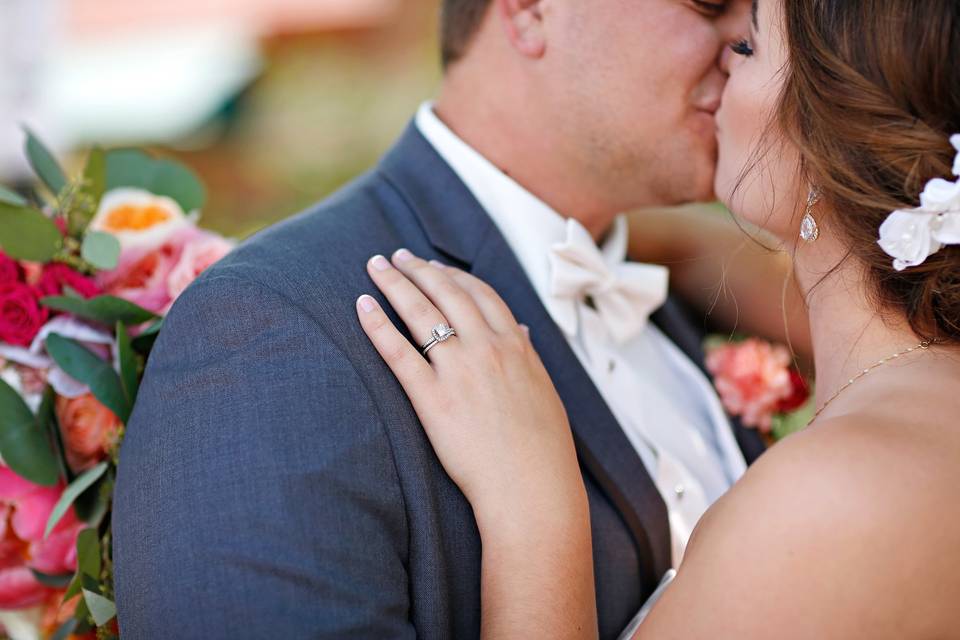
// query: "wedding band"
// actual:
[[440, 333]]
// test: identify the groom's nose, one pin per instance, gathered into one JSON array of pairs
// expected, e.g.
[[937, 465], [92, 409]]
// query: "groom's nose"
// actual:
[[735, 22]]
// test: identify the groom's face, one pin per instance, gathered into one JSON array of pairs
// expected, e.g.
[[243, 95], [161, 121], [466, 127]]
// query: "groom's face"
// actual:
[[637, 85]]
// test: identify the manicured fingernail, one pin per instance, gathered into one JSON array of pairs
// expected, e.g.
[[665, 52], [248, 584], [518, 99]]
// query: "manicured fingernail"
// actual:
[[438, 264], [366, 303], [402, 256], [525, 329], [380, 263]]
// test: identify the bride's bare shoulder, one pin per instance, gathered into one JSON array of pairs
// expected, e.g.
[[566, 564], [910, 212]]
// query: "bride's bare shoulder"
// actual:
[[847, 530]]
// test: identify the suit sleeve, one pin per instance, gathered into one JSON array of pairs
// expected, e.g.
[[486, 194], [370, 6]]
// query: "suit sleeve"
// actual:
[[257, 494]]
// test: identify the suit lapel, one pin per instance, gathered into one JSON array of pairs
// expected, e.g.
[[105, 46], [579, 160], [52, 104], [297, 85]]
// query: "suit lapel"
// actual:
[[458, 227]]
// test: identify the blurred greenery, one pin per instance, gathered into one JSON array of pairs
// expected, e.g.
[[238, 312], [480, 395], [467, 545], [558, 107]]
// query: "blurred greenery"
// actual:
[[323, 111]]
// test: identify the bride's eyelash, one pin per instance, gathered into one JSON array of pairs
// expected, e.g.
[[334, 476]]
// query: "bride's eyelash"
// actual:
[[742, 47]]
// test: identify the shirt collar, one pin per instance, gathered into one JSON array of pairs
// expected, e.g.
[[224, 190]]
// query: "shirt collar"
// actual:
[[528, 224]]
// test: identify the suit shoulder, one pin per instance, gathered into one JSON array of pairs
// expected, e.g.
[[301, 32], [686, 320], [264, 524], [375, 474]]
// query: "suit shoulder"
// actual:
[[323, 249]]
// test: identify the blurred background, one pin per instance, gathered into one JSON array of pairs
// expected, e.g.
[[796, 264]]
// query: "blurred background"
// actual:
[[274, 103]]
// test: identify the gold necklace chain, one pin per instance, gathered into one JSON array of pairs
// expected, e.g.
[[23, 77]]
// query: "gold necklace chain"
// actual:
[[926, 344]]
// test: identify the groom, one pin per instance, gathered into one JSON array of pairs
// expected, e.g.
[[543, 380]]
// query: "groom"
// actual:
[[275, 482]]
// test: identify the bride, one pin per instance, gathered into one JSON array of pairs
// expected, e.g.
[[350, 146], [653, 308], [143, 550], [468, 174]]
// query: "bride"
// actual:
[[836, 116]]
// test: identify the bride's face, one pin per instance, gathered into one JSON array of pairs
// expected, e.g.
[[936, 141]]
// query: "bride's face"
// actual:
[[757, 172]]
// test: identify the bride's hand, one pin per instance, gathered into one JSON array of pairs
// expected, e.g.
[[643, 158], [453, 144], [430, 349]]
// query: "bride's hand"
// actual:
[[484, 398], [499, 428]]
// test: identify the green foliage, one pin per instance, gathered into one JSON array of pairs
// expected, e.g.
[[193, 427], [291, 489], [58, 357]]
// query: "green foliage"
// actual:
[[27, 234], [101, 250], [72, 492], [134, 168], [106, 310], [23, 442], [44, 164], [89, 369], [10, 197], [87, 194]]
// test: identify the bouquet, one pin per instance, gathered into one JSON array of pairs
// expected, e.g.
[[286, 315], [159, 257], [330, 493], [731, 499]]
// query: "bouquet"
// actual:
[[88, 268]]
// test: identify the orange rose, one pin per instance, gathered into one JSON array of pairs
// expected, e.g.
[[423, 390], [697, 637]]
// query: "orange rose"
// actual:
[[88, 428]]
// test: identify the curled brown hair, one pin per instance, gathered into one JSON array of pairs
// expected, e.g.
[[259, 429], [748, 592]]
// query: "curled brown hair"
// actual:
[[871, 96]]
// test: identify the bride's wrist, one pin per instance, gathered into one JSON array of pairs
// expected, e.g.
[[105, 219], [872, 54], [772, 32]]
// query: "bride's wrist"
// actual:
[[512, 517]]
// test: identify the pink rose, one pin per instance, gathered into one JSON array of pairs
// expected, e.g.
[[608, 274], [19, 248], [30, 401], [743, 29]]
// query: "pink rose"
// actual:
[[198, 254], [753, 379], [141, 277], [21, 315], [24, 511], [56, 275], [10, 271]]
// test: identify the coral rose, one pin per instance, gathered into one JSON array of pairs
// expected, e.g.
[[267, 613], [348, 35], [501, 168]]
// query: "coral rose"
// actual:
[[752, 378], [21, 315], [88, 428]]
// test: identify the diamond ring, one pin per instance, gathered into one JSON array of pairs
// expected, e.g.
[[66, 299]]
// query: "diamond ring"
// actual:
[[440, 333]]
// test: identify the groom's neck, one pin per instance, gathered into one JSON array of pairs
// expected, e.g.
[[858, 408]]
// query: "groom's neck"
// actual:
[[526, 149]]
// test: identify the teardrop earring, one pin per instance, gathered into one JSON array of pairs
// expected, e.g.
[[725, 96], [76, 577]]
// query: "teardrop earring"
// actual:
[[809, 231]]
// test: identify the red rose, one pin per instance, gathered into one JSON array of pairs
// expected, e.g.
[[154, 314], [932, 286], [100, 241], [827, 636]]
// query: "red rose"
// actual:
[[10, 271], [21, 315], [798, 396], [56, 275]]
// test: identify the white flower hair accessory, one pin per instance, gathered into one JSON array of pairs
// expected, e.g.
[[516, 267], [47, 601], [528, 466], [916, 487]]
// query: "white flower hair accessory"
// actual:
[[910, 236]]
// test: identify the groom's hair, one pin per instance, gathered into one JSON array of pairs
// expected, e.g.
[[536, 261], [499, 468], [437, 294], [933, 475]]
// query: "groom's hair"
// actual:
[[459, 21]]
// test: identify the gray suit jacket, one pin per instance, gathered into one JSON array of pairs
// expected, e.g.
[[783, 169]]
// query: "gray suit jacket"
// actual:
[[275, 482]]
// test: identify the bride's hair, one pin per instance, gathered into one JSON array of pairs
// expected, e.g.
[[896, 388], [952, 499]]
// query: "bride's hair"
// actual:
[[871, 97]]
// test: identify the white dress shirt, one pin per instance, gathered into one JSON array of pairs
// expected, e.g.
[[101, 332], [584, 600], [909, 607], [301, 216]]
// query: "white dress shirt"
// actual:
[[665, 405]]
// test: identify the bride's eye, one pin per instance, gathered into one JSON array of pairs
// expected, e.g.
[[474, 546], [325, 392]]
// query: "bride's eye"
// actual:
[[742, 48]]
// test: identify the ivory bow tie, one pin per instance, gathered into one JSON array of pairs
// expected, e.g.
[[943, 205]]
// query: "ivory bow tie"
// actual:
[[624, 295]]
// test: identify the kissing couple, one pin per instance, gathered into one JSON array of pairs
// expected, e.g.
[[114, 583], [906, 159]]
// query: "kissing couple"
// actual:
[[505, 429]]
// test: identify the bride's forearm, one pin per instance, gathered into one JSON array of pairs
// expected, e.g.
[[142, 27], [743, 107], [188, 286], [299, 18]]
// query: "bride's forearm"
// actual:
[[537, 575]]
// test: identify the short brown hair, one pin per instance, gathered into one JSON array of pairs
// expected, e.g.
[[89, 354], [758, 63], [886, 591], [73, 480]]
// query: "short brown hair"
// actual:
[[871, 96], [459, 21]]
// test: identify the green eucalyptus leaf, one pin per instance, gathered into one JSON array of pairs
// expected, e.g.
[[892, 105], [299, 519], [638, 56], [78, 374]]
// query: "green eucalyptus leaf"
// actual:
[[88, 561], [107, 310], [23, 444], [8, 196], [66, 630], [71, 493], [128, 363], [100, 249], [162, 177], [86, 367], [143, 343], [27, 234], [102, 609], [45, 164], [56, 582]]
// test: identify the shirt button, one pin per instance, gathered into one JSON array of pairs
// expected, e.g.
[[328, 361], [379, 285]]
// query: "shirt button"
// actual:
[[679, 490], [611, 366]]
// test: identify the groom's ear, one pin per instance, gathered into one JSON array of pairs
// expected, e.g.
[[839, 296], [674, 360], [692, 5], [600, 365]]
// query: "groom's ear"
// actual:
[[523, 20]]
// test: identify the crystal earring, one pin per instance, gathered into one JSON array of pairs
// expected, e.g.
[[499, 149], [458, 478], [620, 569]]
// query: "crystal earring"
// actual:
[[809, 231]]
